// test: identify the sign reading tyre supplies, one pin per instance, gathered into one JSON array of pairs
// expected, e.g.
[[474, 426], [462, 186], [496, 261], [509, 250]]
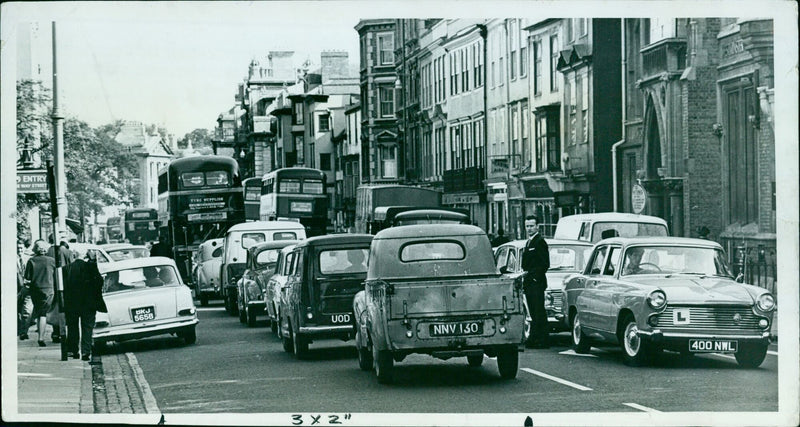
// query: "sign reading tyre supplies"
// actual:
[[143, 314], [456, 329], [713, 346]]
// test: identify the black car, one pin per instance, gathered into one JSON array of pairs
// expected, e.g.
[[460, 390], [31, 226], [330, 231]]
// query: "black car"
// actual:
[[252, 287], [317, 299]]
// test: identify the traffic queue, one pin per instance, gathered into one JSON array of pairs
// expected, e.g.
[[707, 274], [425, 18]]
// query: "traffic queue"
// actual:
[[421, 279]]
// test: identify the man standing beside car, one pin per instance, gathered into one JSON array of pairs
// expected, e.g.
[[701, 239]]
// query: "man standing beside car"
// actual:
[[83, 298], [535, 262]]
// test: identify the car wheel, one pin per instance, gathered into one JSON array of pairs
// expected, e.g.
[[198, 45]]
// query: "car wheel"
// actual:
[[528, 321], [384, 365], [227, 303], [300, 343], [189, 336], [99, 347], [242, 312], [635, 350], [277, 323], [251, 317], [273, 325], [475, 361], [288, 345], [364, 355], [580, 343], [751, 355], [508, 363], [203, 300]]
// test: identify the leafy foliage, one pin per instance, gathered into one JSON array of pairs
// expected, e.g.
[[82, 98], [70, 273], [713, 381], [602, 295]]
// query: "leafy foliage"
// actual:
[[201, 139]]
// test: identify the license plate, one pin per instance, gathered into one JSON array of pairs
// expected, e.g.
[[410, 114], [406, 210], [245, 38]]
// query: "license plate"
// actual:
[[456, 329], [143, 314], [340, 318], [713, 346]]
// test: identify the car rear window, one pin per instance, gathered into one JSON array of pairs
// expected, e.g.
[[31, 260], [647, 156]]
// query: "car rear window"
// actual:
[[432, 251], [250, 239], [140, 278], [284, 235], [628, 229], [343, 261]]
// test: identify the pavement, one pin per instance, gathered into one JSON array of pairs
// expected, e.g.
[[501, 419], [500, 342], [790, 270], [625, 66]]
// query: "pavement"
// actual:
[[112, 384]]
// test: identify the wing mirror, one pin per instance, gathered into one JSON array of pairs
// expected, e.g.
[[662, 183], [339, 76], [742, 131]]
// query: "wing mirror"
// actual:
[[740, 278]]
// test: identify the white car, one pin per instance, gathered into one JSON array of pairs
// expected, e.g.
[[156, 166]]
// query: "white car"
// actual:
[[128, 252], [79, 251], [145, 297], [208, 260]]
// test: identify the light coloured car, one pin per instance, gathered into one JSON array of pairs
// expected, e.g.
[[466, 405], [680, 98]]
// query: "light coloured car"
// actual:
[[79, 251], [594, 227], [145, 297], [566, 257], [261, 260], [649, 294], [207, 270], [128, 252], [276, 282]]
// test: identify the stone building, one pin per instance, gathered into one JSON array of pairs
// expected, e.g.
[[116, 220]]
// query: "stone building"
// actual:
[[381, 148], [152, 153]]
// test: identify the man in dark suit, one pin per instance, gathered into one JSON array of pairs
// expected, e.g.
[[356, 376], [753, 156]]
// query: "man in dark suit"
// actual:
[[83, 297], [536, 261]]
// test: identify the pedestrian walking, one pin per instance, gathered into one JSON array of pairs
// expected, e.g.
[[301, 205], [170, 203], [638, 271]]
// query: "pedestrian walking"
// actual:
[[500, 239], [24, 303], [83, 298], [536, 262], [65, 257], [39, 275]]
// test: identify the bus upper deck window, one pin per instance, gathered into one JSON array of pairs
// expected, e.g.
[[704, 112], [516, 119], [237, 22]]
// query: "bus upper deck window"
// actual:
[[312, 186], [192, 179], [217, 178], [289, 186]]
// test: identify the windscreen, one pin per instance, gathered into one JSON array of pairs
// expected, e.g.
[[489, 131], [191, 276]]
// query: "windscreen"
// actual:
[[140, 278], [568, 258]]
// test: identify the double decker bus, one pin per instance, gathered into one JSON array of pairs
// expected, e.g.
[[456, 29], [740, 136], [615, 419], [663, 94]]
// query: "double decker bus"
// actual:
[[297, 194], [252, 198], [140, 225], [199, 198], [114, 229]]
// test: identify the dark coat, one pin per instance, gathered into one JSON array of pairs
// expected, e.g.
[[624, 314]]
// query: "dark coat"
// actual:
[[83, 288], [39, 272], [536, 261]]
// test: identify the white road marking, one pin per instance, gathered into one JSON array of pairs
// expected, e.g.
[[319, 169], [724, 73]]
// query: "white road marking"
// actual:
[[210, 308], [32, 374], [150, 404], [556, 379], [641, 408], [571, 352]]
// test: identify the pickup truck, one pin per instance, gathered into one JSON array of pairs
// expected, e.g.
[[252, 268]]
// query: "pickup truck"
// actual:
[[434, 289]]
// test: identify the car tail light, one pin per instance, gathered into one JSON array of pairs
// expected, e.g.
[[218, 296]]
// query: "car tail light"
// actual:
[[100, 324], [186, 312]]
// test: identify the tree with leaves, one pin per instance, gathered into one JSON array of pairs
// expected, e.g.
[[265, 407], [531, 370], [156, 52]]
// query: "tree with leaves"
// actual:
[[201, 140]]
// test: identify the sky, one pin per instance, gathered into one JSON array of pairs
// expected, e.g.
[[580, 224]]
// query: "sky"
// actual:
[[174, 65]]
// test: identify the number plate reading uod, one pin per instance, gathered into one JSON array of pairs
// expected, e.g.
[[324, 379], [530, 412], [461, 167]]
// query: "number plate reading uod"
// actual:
[[713, 346], [456, 329], [143, 314], [340, 318]]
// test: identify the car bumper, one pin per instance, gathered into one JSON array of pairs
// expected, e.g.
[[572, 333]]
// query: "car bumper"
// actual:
[[496, 333], [680, 340], [332, 331], [130, 332], [256, 307]]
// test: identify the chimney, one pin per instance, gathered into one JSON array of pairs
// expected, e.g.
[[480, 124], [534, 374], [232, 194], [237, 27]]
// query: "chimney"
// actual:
[[334, 64]]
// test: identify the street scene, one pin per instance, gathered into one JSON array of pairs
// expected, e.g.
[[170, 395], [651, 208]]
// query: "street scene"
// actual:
[[527, 219]]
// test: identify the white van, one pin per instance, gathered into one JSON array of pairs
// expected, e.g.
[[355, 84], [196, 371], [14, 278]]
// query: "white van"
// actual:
[[598, 226], [234, 255]]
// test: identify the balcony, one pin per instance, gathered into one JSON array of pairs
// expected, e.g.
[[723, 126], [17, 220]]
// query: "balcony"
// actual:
[[462, 180], [664, 56], [263, 124]]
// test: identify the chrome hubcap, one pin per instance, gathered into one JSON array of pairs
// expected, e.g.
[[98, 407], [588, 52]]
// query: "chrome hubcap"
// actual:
[[632, 340], [576, 331]]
